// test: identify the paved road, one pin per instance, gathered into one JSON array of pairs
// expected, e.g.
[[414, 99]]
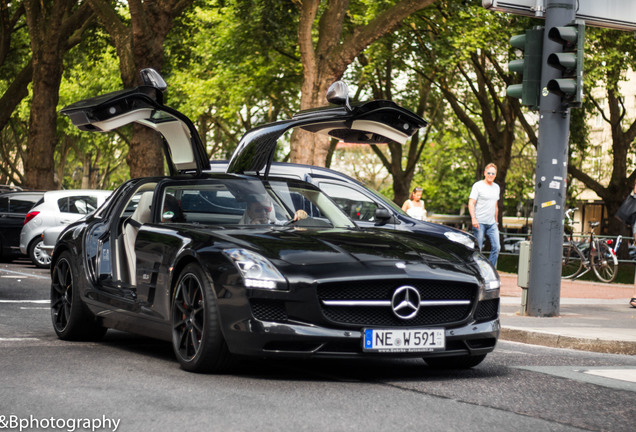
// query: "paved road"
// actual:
[[137, 382]]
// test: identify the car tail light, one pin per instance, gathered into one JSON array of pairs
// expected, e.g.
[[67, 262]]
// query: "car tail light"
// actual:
[[30, 215]]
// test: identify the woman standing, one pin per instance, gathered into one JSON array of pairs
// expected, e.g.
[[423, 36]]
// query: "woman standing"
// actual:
[[414, 206]]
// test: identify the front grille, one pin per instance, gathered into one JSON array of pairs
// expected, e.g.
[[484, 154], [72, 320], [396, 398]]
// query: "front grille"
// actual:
[[268, 310], [382, 291], [487, 310], [375, 290]]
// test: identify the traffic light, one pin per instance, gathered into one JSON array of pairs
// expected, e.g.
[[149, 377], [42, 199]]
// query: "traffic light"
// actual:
[[531, 43], [569, 62]]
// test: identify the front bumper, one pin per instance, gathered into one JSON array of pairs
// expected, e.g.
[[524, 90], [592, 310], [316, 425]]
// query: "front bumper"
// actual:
[[273, 339]]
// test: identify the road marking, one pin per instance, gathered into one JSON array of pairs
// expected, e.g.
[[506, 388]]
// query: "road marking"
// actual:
[[18, 339], [11, 272], [617, 374], [506, 351], [617, 377], [26, 301]]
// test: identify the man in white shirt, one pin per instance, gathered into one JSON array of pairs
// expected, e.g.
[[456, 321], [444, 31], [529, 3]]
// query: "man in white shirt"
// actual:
[[483, 209]]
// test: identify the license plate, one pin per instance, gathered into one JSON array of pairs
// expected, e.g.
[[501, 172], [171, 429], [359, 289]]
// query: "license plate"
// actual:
[[424, 340]]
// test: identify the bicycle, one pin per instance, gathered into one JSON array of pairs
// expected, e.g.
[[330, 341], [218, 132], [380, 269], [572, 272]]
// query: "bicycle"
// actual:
[[593, 254]]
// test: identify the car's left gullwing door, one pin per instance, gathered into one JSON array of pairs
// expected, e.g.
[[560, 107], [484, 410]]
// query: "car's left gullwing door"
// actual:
[[183, 148]]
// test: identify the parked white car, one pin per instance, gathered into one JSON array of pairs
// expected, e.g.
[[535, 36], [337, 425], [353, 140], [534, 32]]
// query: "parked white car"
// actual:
[[60, 207]]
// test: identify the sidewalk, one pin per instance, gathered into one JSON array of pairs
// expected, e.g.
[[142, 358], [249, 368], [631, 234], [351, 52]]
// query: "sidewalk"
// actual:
[[593, 317]]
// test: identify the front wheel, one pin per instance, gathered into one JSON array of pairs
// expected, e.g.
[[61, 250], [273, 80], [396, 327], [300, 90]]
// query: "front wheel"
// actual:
[[455, 362], [604, 262], [71, 319], [571, 261], [196, 331]]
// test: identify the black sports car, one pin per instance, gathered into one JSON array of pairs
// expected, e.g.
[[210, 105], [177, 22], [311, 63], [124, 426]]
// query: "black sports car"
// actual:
[[250, 264]]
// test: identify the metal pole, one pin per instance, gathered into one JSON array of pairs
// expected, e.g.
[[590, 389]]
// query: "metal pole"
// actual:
[[544, 288]]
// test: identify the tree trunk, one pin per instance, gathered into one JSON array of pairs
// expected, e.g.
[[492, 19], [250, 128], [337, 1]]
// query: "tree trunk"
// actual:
[[51, 29], [46, 45], [309, 148]]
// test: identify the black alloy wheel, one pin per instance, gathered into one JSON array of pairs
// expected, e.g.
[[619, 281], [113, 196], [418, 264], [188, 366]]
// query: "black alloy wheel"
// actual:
[[196, 332], [71, 321]]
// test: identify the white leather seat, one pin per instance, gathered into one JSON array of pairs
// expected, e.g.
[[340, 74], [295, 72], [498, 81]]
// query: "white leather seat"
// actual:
[[140, 216]]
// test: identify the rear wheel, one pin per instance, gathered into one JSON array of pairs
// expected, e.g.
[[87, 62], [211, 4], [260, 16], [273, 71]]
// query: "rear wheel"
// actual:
[[38, 256], [196, 331], [571, 261], [71, 320], [604, 262], [455, 362]]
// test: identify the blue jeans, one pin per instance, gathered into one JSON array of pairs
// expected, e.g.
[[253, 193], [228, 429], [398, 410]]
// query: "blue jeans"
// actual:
[[492, 232]]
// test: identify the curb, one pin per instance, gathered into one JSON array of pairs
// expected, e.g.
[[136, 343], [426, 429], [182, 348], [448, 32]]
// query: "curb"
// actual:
[[514, 334]]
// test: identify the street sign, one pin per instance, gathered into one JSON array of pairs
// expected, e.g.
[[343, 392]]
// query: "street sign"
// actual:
[[615, 14]]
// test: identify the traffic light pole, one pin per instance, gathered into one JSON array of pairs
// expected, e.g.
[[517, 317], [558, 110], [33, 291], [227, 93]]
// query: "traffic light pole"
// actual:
[[544, 287]]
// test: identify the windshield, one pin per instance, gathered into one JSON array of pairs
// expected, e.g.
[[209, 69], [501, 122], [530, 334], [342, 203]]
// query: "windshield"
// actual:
[[250, 202]]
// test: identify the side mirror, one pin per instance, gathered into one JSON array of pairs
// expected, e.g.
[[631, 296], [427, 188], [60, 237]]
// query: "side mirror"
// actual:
[[152, 78], [382, 216], [338, 94]]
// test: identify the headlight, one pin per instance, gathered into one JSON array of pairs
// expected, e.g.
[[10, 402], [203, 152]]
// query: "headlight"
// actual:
[[256, 270], [491, 278], [460, 238]]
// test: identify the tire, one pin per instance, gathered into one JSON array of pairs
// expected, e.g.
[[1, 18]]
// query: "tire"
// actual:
[[197, 339], [71, 319], [456, 362], [37, 255], [604, 262], [571, 261]]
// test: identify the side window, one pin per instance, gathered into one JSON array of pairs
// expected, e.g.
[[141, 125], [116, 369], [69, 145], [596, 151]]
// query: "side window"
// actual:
[[355, 204], [301, 202], [21, 205], [4, 204], [62, 204], [80, 204]]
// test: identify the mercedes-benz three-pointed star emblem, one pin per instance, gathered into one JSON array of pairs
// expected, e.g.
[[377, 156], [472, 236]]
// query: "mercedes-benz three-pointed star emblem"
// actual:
[[405, 302]]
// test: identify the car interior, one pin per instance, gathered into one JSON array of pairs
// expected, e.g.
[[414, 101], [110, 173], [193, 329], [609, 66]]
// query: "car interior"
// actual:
[[136, 213]]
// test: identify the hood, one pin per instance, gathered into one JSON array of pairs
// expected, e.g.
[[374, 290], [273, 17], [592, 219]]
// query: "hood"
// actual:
[[373, 251]]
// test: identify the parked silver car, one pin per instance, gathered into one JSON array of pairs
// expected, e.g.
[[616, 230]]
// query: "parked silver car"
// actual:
[[60, 207]]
